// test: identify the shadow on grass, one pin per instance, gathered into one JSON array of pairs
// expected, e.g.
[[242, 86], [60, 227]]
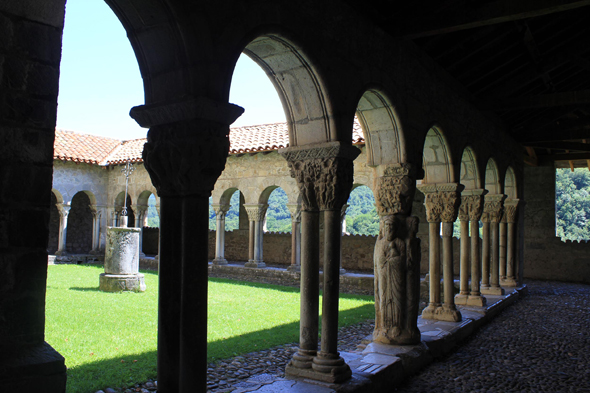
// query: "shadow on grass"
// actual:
[[117, 374], [83, 289]]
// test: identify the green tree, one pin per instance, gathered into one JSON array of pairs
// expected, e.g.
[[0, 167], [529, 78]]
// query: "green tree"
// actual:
[[572, 204], [361, 214], [153, 218]]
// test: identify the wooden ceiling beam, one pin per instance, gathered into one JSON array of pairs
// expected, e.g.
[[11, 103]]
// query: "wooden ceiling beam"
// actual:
[[568, 98], [573, 146], [553, 134], [464, 15], [568, 157]]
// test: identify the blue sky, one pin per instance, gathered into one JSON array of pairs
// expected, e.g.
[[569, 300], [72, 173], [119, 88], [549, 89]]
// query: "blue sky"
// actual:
[[100, 79]]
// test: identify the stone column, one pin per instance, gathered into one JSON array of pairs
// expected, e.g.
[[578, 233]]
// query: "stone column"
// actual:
[[502, 248], [396, 257], [470, 213], [184, 155], [295, 210], [492, 214], [256, 214], [64, 211], [342, 230], [324, 175], [96, 219], [220, 212], [442, 205], [510, 210], [139, 212]]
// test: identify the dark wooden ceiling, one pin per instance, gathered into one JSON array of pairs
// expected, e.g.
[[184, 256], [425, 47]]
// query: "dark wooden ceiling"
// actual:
[[528, 61]]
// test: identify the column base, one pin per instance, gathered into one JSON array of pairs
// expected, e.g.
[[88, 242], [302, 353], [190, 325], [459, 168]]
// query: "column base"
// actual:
[[430, 311], [461, 299], [330, 368], [399, 337], [510, 282], [494, 291], [448, 314], [255, 264], [33, 368], [476, 300], [61, 253], [294, 268], [121, 282], [221, 261], [95, 252], [342, 271]]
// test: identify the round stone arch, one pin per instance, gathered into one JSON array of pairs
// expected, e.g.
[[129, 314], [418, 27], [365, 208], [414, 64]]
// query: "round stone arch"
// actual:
[[80, 222], [381, 128], [510, 186], [492, 178], [144, 196], [298, 85], [469, 173], [119, 203], [437, 163]]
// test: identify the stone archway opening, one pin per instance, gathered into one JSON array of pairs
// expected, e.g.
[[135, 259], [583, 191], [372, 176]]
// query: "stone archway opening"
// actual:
[[360, 216], [119, 204], [80, 222]]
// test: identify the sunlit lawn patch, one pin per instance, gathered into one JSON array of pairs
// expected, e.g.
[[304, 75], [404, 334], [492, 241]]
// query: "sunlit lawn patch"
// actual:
[[109, 339]]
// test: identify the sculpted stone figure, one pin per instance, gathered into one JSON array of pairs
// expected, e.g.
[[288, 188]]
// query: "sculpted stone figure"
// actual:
[[397, 281]]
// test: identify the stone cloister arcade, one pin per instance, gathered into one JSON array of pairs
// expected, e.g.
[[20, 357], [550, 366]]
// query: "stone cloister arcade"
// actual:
[[328, 61]]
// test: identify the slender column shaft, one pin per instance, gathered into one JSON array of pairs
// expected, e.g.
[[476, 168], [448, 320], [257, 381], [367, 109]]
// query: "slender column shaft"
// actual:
[[502, 250], [219, 233], [260, 241], [310, 289], [294, 230], [332, 238], [511, 251], [193, 312], [257, 230], [448, 275], [298, 245], [475, 262], [494, 263], [434, 263], [64, 211], [251, 241], [169, 299], [464, 273], [485, 256], [222, 238]]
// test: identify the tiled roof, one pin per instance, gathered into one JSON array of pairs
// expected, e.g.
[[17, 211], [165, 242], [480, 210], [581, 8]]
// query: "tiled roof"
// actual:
[[91, 149], [70, 146]]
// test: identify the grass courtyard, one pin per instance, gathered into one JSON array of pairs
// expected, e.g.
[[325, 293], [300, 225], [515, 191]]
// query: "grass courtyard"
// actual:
[[109, 339]]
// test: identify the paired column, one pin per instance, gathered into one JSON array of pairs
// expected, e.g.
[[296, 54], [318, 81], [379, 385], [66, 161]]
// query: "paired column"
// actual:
[[469, 214], [295, 210], [64, 211], [179, 132], [97, 212], [139, 212], [220, 212], [442, 205], [256, 215], [510, 210], [492, 214], [396, 257], [324, 175]]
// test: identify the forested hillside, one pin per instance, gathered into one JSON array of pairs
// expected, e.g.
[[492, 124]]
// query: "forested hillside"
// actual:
[[572, 204]]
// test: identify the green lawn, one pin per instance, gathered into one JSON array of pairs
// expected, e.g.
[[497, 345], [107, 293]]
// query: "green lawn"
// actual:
[[109, 339]]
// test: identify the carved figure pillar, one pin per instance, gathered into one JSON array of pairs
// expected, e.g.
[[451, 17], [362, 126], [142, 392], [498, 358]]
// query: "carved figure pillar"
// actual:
[[295, 210], [64, 211], [185, 153], [396, 257], [442, 205], [510, 209], [324, 176], [220, 212], [492, 214], [469, 214], [256, 215]]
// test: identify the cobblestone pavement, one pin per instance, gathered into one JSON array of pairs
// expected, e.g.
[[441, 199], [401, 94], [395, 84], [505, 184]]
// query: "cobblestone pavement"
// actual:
[[539, 344]]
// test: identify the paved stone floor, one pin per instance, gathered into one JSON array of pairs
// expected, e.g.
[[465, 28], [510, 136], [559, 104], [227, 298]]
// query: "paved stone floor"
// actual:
[[539, 344]]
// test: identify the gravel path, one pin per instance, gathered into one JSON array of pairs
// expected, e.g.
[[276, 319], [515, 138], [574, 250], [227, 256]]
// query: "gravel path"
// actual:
[[539, 344]]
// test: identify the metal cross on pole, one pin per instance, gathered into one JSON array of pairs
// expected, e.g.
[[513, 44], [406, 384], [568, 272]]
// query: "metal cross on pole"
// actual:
[[127, 170]]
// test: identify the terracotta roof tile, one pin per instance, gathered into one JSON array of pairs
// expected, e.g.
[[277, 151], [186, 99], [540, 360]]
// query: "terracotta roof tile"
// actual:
[[70, 146]]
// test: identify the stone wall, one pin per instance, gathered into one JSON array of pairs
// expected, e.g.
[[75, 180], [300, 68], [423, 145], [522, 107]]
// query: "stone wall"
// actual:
[[79, 231], [546, 257]]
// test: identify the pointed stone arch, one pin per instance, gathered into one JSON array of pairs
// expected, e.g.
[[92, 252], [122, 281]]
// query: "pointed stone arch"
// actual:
[[299, 87], [381, 128], [437, 162]]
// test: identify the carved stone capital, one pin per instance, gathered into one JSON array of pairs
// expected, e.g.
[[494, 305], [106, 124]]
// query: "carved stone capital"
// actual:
[[256, 212], [96, 211], [323, 172], [492, 208], [295, 210], [471, 205], [63, 210], [220, 210], [442, 201], [185, 109], [510, 208], [395, 189], [186, 158]]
